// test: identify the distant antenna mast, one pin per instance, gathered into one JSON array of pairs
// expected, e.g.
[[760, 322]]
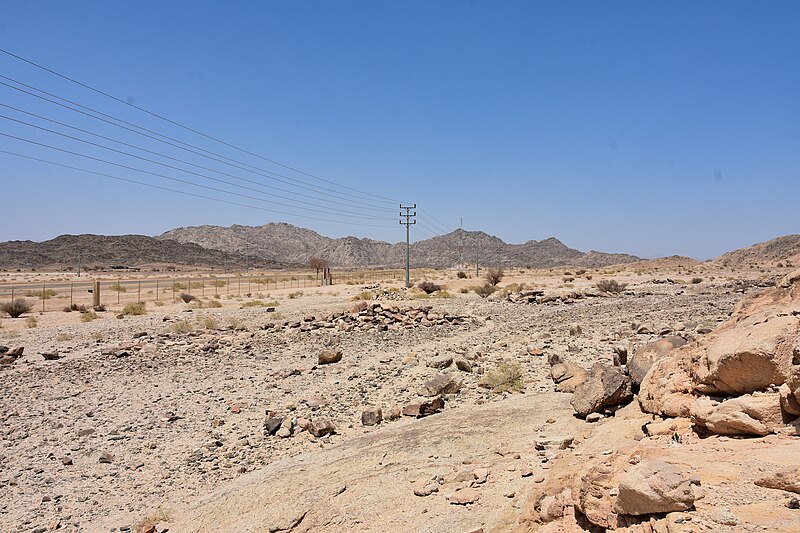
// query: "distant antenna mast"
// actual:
[[408, 223]]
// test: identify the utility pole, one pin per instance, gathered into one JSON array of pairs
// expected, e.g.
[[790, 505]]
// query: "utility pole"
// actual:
[[79, 264], [407, 215], [477, 266], [461, 246]]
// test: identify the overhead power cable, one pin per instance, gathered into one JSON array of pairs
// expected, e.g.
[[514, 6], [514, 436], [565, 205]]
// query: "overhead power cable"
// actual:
[[187, 128], [159, 187], [330, 210], [188, 162], [197, 150], [171, 178], [443, 227]]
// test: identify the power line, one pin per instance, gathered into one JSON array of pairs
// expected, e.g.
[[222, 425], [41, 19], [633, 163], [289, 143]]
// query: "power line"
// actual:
[[328, 210], [197, 150], [181, 161], [171, 178], [153, 186], [161, 117], [439, 224]]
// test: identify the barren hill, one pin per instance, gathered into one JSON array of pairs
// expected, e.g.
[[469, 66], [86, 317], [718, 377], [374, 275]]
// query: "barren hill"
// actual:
[[125, 250], [280, 241], [784, 249]]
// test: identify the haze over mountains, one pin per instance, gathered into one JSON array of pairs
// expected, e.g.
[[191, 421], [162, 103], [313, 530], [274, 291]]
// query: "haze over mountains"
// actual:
[[277, 245]]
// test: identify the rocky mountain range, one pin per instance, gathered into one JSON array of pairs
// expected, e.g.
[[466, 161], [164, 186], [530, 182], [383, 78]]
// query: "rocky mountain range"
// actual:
[[785, 250], [288, 243], [119, 250]]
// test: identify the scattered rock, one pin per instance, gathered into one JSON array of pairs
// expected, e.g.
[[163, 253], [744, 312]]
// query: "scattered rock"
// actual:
[[441, 384], [654, 487], [327, 357], [605, 386], [465, 496], [320, 428], [371, 416]]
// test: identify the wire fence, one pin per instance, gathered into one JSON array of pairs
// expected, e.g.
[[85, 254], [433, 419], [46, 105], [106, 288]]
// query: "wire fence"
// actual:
[[60, 295]]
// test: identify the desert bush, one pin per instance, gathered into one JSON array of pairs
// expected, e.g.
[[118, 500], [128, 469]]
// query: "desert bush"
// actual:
[[464, 290], [117, 287], [158, 303], [218, 283], [75, 307], [461, 274], [16, 307], [214, 303], [485, 290], [610, 285], [187, 297], [494, 276], [363, 295], [695, 281], [182, 326], [429, 287], [209, 323], [236, 324], [137, 308], [505, 378], [580, 272], [295, 295], [442, 294], [31, 322], [260, 303], [99, 308], [45, 294], [88, 316]]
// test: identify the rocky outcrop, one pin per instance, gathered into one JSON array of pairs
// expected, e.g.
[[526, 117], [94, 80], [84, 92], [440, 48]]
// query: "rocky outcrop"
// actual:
[[654, 487], [742, 379], [567, 376]]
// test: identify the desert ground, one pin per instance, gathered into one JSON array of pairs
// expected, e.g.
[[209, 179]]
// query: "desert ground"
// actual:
[[370, 407]]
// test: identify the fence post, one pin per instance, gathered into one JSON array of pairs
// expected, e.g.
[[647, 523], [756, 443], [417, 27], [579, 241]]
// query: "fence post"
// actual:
[[203, 287], [44, 294], [156, 290], [12, 293], [119, 290], [70, 295], [96, 294], [139, 294]]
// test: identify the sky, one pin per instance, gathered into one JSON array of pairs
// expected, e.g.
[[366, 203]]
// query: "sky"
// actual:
[[650, 128]]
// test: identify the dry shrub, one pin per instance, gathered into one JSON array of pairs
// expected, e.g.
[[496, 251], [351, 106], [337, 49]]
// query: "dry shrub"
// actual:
[[485, 290], [461, 274], [137, 308], [16, 307], [611, 285], [494, 276], [505, 378], [429, 287]]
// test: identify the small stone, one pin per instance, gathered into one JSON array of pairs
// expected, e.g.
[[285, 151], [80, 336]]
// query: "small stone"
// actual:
[[594, 417], [371, 416], [327, 357], [106, 457], [320, 428], [426, 489], [793, 503], [66, 461], [465, 496]]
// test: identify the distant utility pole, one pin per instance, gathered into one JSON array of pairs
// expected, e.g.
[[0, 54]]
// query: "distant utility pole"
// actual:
[[79, 264], [477, 266], [407, 215], [461, 246]]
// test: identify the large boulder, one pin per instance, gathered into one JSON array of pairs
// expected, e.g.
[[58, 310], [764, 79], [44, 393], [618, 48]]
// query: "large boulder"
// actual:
[[640, 362], [749, 353], [605, 386], [654, 487], [754, 414], [667, 389], [787, 479]]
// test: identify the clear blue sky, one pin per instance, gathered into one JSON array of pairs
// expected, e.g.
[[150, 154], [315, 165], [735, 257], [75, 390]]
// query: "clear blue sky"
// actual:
[[641, 127]]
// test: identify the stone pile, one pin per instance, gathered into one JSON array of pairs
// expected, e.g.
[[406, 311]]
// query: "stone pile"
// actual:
[[540, 297], [376, 316]]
